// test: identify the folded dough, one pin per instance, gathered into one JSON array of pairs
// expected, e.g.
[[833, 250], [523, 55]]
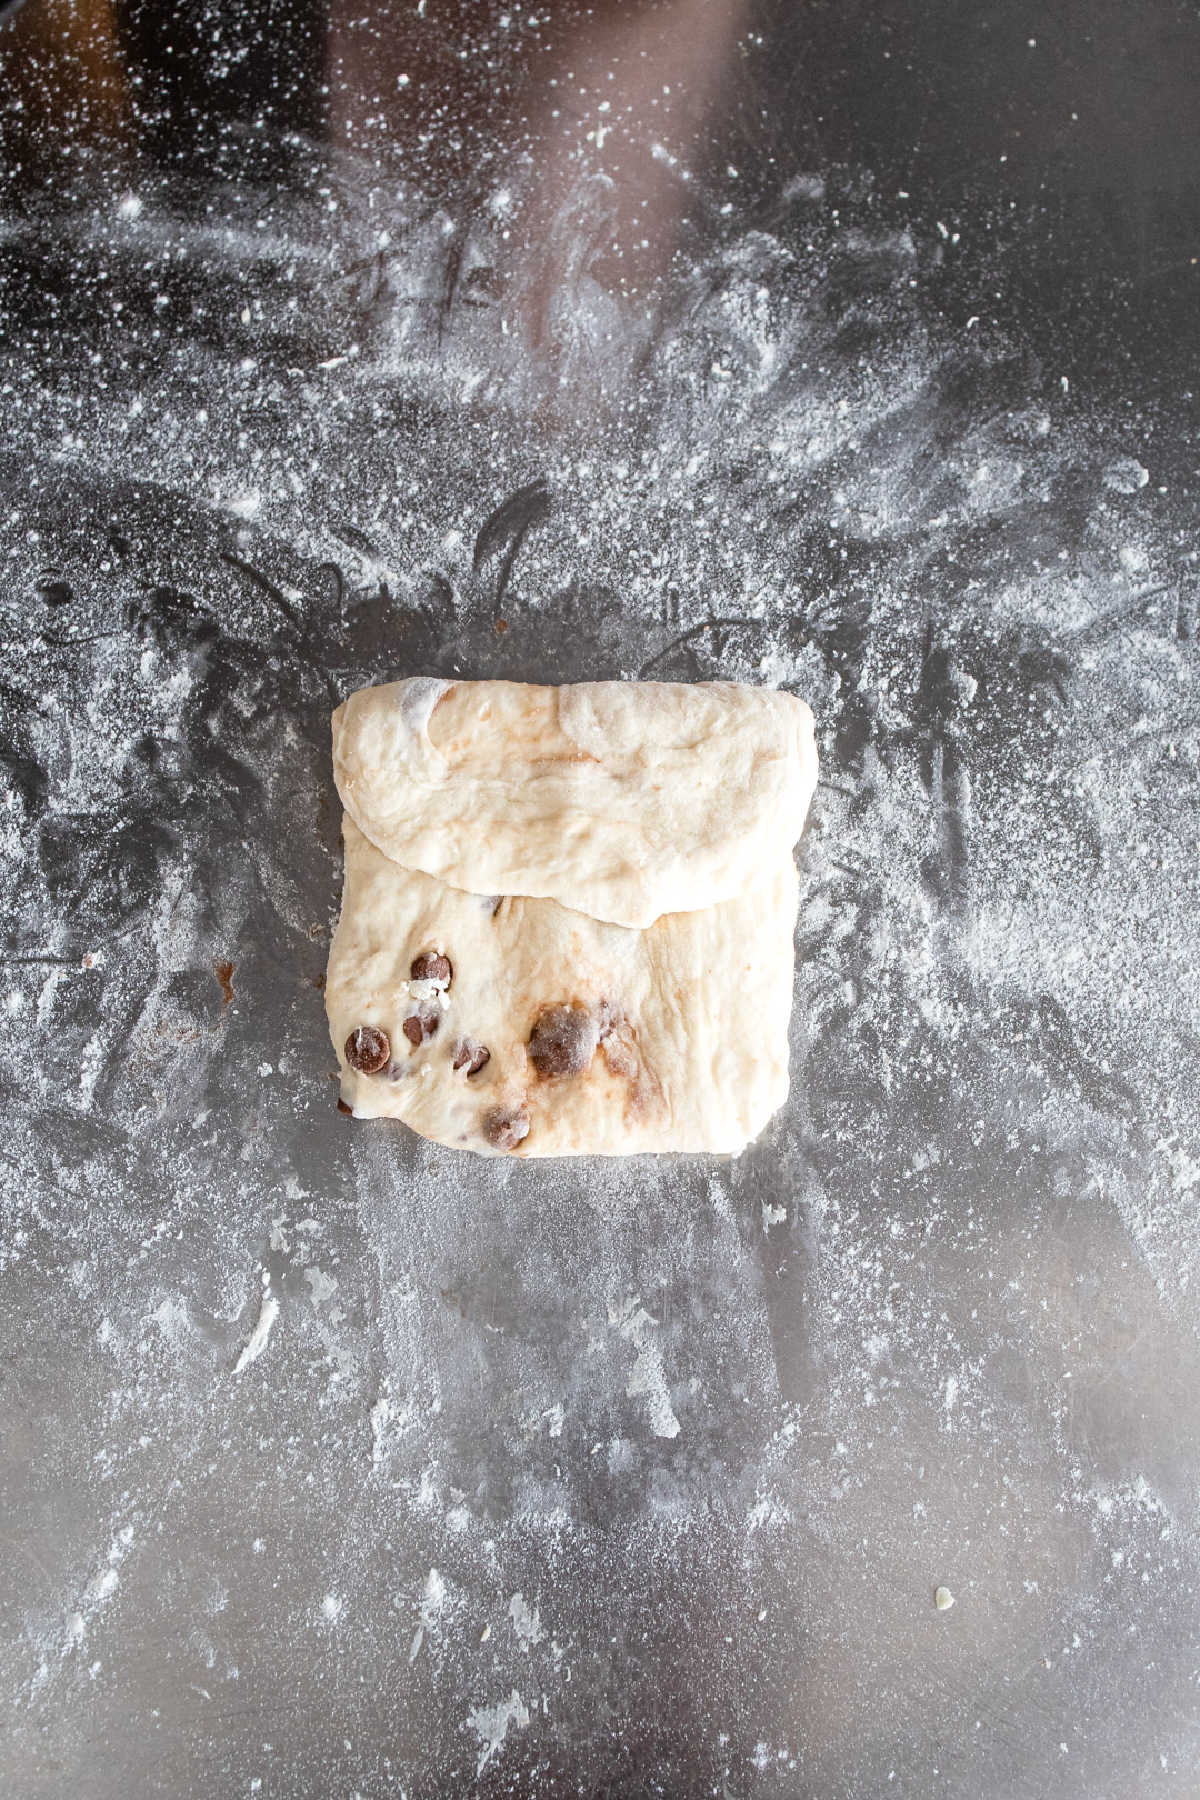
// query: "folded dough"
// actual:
[[622, 799], [568, 912]]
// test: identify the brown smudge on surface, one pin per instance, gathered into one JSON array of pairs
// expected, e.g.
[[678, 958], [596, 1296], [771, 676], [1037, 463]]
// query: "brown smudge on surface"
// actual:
[[619, 1051], [619, 1058], [224, 974]]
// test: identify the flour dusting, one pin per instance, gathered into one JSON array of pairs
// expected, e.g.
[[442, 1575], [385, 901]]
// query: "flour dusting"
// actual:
[[681, 1449], [492, 1724]]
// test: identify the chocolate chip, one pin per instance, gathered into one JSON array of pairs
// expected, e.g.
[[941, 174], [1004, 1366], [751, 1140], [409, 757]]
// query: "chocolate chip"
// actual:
[[431, 965], [343, 1108], [368, 1049], [421, 1025], [471, 1056], [506, 1126], [563, 1040]]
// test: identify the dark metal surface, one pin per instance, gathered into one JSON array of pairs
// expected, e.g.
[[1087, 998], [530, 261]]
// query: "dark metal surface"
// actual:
[[846, 348]]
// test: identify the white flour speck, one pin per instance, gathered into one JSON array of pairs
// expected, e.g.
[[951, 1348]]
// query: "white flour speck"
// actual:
[[256, 1343]]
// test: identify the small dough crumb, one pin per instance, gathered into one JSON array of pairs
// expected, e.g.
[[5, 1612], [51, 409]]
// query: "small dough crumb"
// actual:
[[943, 1599]]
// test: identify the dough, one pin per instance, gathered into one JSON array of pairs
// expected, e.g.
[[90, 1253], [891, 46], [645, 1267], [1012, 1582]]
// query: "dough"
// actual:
[[568, 913], [622, 799]]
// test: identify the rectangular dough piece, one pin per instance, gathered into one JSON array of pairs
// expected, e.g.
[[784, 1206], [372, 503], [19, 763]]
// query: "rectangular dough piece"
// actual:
[[505, 1022]]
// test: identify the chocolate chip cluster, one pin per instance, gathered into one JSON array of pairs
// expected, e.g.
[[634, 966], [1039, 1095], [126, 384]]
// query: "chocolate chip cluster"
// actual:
[[369, 1049], [561, 1044]]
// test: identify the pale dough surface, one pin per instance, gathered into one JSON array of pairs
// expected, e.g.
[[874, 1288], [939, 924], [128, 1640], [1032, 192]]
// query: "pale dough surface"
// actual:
[[622, 799], [691, 1011]]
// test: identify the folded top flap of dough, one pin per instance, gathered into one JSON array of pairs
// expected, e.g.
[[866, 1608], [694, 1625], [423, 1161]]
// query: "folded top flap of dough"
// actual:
[[621, 799]]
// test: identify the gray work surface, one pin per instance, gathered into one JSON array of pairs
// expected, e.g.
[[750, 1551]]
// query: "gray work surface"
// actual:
[[336, 1464]]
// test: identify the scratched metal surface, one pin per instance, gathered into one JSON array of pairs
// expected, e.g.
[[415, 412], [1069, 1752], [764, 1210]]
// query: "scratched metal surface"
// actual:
[[845, 352]]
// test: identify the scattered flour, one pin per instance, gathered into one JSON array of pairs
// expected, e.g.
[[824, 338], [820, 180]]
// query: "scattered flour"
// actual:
[[647, 1378], [525, 1622], [491, 1725]]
